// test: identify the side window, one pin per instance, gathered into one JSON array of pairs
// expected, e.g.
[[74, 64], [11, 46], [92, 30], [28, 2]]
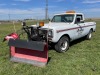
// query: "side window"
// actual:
[[79, 17]]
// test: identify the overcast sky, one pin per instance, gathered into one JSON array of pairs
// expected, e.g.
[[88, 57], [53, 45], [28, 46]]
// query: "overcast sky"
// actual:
[[21, 9]]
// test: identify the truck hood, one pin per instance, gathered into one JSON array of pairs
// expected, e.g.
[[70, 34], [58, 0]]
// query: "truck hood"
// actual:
[[55, 26]]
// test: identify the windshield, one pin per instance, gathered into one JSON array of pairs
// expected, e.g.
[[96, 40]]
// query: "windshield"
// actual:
[[63, 18]]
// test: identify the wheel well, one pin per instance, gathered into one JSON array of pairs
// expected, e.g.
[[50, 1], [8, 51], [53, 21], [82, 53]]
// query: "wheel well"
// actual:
[[67, 36]]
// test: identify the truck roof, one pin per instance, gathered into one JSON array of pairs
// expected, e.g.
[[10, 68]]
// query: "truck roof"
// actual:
[[68, 13]]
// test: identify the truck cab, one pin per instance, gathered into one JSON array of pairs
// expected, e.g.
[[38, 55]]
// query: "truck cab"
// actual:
[[69, 17]]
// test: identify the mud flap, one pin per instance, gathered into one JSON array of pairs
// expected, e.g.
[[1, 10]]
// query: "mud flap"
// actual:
[[31, 52]]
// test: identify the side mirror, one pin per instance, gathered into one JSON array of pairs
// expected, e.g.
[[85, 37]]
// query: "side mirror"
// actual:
[[23, 23], [78, 20], [82, 21]]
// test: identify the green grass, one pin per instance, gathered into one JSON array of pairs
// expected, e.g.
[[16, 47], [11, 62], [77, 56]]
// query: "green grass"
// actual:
[[82, 58]]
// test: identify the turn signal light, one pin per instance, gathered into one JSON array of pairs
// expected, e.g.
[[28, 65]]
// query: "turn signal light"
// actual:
[[41, 24], [71, 11]]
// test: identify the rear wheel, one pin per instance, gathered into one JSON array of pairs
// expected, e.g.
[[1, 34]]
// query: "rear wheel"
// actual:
[[89, 36], [62, 45]]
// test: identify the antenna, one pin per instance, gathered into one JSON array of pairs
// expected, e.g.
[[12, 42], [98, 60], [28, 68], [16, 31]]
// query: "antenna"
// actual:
[[46, 14], [14, 26]]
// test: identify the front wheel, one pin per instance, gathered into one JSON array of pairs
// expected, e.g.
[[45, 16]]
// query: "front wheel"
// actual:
[[62, 45]]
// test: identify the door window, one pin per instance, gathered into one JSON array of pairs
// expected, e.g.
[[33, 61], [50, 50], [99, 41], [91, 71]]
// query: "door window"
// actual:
[[79, 17]]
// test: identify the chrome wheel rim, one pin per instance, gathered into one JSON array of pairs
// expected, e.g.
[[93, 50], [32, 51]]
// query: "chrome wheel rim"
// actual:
[[90, 35], [64, 46]]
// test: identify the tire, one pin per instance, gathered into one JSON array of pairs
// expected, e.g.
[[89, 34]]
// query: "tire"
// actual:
[[89, 35], [62, 45]]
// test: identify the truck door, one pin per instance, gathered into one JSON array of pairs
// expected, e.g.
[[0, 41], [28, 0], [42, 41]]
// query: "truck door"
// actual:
[[80, 26]]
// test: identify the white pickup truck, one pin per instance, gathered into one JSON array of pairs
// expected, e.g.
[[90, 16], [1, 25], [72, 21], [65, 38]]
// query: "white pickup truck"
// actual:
[[67, 27]]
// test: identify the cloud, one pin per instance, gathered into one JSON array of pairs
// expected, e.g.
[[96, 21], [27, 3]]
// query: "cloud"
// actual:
[[52, 6], [23, 0], [91, 1], [59, 0], [3, 4], [14, 4], [93, 10], [89, 10], [40, 13], [9, 4], [26, 13], [22, 13]]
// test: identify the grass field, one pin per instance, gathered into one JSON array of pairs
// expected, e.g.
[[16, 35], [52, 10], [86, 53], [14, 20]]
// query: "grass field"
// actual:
[[83, 58]]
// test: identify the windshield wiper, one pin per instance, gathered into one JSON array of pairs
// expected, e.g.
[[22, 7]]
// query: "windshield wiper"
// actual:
[[65, 21]]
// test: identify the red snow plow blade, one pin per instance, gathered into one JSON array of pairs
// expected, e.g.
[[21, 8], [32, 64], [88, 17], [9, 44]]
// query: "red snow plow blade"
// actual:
[[31, 52], [11, 36]]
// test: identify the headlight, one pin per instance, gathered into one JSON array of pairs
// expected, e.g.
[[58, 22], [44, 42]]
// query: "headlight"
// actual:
[[50, 33]]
